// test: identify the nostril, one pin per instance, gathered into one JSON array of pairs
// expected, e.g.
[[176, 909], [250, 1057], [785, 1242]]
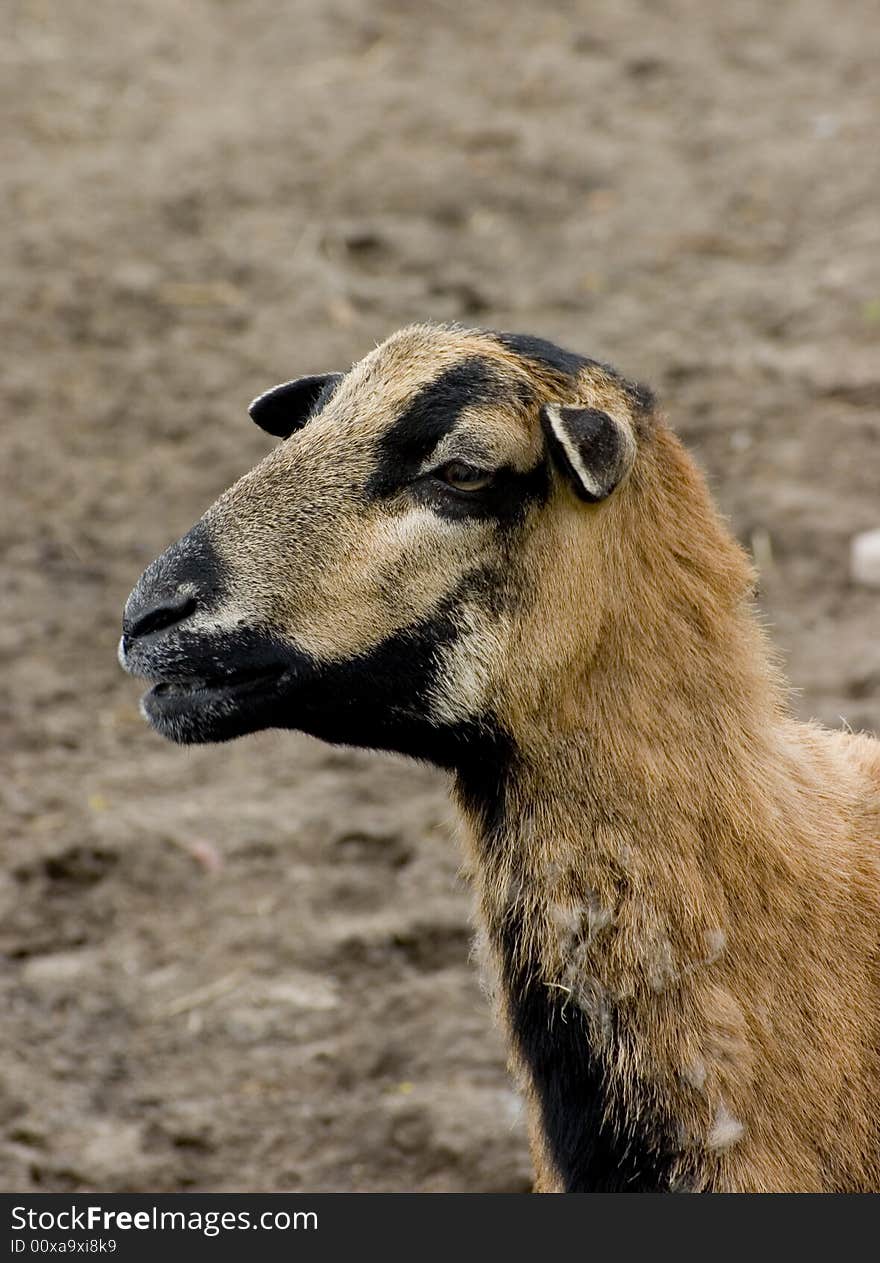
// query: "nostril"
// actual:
[[161, 614]]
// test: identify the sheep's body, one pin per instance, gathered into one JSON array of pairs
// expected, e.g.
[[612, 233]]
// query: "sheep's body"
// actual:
[[678, 885]]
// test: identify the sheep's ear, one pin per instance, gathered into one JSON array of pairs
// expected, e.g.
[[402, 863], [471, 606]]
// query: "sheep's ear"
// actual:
[[592, 449], [288, 407]]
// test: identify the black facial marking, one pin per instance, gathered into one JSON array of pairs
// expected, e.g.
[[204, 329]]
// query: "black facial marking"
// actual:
[[380, 699], [569, 364], [430, 415], [288, 407], [546, 353], [593, 1147], [505, 501]]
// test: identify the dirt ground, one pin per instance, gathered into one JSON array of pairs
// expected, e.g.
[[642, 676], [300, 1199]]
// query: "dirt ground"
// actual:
[[247, 967]]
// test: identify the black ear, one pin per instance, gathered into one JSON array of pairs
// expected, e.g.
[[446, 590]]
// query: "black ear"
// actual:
[[593, 449], [288, 407]]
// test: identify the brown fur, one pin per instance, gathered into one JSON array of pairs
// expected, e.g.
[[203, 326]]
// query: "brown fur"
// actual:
[[729, 855], [683, 856]]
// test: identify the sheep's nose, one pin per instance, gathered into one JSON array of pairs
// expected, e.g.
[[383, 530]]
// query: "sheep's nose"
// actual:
[[186, 578], [155, 612]]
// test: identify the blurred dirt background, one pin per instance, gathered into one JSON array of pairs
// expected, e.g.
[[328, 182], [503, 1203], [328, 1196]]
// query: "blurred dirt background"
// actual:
[[247, 967]]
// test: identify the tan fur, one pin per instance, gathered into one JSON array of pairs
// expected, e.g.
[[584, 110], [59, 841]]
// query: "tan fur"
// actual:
[[683, 853]]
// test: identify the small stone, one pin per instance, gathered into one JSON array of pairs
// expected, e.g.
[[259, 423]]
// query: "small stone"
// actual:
[[864, 563], [136, 277], [59, 969]]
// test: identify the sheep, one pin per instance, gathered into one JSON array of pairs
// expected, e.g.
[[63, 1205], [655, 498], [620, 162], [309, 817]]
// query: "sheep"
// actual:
[[483, 551]]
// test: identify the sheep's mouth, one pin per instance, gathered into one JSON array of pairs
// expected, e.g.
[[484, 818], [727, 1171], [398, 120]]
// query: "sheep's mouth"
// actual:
[[182, 687], [199, 707]]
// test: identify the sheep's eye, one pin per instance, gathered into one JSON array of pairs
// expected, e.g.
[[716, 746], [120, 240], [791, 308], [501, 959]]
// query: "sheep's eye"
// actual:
[[465, 477]]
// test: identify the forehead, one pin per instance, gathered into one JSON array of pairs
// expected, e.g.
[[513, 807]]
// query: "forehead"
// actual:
[[434, 389]]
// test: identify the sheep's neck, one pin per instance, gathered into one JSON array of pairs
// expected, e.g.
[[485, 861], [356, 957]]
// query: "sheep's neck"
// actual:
[[623, 803], [603, 862]]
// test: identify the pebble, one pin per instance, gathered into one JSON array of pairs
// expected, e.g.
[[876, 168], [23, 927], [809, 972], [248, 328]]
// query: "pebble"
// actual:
[[864, 562], [60, 969]]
